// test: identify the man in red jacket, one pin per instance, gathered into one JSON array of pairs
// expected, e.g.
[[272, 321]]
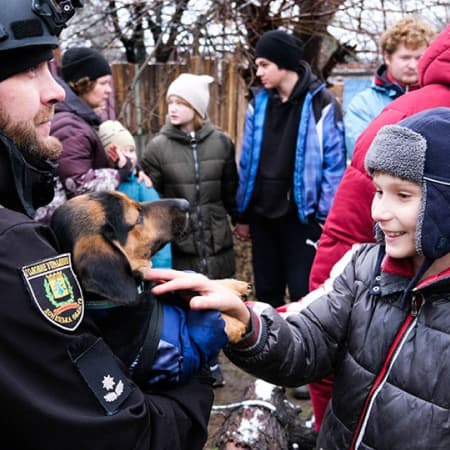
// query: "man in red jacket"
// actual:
[[349, 220]]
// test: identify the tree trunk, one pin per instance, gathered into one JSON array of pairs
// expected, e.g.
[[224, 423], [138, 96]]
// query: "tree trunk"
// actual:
[[264, 420]]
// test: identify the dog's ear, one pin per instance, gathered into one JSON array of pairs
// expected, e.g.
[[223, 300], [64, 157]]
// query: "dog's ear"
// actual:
[[104, 271], [118, 234], [115, 229]]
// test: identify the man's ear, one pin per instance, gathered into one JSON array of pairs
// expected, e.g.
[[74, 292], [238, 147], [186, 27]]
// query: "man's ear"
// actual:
[[103, 270]]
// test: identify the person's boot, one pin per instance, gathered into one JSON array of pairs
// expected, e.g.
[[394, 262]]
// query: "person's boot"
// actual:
[[301, 392], [216, 373]]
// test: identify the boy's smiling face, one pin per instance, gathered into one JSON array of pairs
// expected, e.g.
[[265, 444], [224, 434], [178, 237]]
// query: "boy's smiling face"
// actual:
[[395, 207]]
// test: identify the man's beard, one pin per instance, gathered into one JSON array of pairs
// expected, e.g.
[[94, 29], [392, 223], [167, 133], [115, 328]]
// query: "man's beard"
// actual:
[[24, 135]]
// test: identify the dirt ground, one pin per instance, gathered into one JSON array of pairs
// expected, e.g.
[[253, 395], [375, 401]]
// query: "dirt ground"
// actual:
[[237, 380]]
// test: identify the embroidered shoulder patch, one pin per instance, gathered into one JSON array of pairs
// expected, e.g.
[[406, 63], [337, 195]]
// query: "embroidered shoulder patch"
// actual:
[[55, 289]]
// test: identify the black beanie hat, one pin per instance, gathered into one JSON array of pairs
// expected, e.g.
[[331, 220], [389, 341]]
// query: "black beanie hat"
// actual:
[[81, 62], [281, 48], [19, 60]]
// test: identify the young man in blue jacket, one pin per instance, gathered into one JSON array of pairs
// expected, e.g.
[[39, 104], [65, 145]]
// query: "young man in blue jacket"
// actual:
[[292, 160]]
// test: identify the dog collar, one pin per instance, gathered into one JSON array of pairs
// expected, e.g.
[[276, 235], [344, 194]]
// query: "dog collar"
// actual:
[[95, 303]]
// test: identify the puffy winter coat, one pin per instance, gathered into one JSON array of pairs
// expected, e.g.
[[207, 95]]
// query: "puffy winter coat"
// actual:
[[319, 154], [389, 354], [83, 165], [203, 171], [349, 220], [367, 104]]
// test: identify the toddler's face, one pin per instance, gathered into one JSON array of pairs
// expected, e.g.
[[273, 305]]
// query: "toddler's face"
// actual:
[[130, 152]]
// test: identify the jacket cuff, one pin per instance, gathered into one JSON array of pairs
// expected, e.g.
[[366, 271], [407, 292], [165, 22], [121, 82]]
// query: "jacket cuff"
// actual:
[[242, 217], [251, 337]]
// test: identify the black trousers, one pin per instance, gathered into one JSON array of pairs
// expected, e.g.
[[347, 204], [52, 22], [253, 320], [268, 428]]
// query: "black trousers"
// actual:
[[283, 250]]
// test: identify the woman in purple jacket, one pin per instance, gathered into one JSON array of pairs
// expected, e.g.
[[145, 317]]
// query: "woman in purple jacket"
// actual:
[[83, 164]]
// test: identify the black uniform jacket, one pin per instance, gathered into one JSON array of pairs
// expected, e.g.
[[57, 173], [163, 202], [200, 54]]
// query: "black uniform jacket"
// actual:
[[60, 385]]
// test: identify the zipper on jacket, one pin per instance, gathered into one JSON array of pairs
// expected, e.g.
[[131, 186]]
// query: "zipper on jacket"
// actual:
[[416, 303], [397, 345], [201, 230]]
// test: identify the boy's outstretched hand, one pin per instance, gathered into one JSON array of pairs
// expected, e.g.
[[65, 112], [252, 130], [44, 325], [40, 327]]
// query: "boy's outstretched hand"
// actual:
[[203, 292]]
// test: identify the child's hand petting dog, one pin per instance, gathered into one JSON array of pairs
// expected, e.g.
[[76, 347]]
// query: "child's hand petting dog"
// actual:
[[234, 328], [204, 293]]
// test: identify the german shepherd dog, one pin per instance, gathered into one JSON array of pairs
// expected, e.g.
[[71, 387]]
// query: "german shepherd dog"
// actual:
[[112, 238]]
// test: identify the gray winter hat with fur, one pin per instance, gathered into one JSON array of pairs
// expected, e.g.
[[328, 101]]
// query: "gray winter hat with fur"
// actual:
[[417, 149], [399, 151]]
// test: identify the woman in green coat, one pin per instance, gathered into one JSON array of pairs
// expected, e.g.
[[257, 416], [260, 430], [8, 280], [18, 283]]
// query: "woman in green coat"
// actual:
[[191, 159]]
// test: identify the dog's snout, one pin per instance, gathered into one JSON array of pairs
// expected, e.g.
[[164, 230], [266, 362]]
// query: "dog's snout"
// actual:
[[180, 204], [175, 211], [184, 205]]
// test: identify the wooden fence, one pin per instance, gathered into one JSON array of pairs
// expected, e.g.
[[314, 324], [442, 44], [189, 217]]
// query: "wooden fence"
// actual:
[[142, 107]]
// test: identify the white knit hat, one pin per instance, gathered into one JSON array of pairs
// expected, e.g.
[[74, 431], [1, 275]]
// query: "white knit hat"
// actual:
[[113, 132], [194, 89]]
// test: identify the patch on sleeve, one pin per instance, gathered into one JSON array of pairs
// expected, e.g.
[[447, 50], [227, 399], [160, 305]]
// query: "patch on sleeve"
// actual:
[[102, 373], [55, 290]]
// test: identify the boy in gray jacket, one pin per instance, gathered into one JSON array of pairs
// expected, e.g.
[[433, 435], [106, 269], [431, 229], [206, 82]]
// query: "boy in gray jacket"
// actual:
[[382, 326]]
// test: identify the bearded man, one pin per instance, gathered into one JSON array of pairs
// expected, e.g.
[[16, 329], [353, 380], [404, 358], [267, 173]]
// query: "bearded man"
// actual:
[[61, 386]]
